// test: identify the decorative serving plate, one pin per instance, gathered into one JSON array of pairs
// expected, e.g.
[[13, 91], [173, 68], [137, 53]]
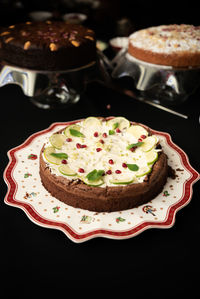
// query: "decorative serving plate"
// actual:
[[26, 191]]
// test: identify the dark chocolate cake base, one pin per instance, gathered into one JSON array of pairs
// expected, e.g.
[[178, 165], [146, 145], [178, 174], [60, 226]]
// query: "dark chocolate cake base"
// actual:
[[109, 199]]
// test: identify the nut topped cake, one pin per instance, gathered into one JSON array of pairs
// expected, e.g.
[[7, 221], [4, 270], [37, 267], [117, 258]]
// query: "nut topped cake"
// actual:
[[172, 45], [47, 45], [103, 165]]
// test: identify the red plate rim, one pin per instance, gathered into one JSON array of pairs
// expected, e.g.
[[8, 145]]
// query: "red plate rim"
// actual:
[[76, 237]]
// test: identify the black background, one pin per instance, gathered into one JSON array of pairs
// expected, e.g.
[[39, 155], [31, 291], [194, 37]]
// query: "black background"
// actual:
[[36, 261]]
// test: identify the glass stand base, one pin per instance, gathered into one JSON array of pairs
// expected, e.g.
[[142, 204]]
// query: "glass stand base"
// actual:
[[55, 97]]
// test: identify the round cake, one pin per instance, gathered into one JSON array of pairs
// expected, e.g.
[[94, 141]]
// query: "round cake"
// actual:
[[103, 164], [47, 45], [171, 45]]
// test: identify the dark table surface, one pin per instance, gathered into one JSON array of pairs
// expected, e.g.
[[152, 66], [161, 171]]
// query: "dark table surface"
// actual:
[[156, 262]]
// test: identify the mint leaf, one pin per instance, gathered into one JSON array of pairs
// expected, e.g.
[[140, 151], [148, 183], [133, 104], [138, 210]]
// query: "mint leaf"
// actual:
[[133, 167], [59, 155], [94, 175], [100, 172], [111, 132], [91, 175], [76, 133], [115, 126], [135, 144]]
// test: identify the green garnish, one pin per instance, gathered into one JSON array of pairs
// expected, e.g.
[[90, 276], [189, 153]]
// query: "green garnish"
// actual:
[[111, 132], [76, 133], [115, 126], [59, 155], [135, 144], [133, 167], [94, 175]]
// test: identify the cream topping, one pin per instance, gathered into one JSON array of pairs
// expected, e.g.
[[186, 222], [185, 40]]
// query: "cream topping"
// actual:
[[103, 152], [168, 38]]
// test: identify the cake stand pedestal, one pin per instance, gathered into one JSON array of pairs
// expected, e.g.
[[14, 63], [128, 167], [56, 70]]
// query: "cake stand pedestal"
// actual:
[[54, 89], [158, 83]]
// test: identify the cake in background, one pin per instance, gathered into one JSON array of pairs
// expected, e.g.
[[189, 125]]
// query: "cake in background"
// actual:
[[49, 45], [171, 45]]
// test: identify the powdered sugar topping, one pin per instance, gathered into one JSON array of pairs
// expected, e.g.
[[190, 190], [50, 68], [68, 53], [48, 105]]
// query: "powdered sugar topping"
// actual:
[[168, 38]]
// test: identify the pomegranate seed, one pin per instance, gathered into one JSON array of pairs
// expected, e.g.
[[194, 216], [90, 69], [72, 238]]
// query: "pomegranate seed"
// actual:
[[140, 140], [98, 149], [64, 161], [78, 145], [143, 136], [96, 134], [118, 171], [69, 139], [81, 170], [132, 149], [118, 130], [109, 171], [105, 135], [83, 146], [111, 161], [101, 140], [124, 165]]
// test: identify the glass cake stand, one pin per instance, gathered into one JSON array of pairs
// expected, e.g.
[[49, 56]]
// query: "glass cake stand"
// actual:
[[159, 83], [54, 89]]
